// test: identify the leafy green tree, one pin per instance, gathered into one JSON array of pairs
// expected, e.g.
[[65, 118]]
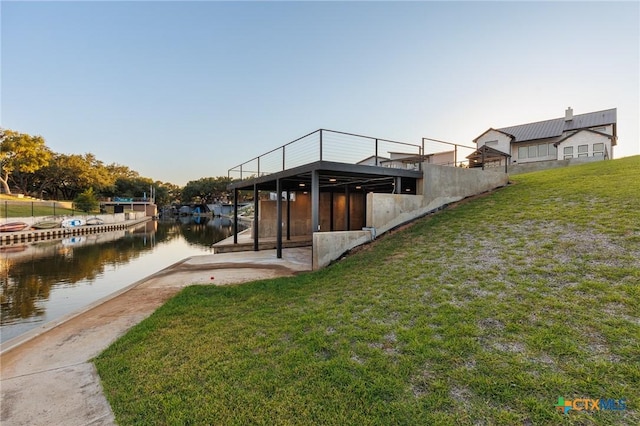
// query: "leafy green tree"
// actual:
[[166, 193], [86, 201], [20, 153], [206, 190], [69, 175]]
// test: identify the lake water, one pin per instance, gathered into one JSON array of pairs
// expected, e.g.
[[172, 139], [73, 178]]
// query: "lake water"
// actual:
[[44, 281]]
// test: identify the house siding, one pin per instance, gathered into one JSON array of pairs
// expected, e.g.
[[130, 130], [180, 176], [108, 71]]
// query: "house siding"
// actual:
[[581, 139], [503, 140], [551, 155]]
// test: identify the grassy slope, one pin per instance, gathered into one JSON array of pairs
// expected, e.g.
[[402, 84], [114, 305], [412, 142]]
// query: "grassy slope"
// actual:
[[483, 314]]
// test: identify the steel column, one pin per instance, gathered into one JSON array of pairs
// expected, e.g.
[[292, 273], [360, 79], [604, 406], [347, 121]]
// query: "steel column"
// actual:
[[235, 215], [279, 218], [255, 218], [315, 201]]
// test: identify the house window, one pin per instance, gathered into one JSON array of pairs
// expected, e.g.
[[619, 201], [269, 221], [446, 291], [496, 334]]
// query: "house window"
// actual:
[[543, 150], [598, 150], [553, 150], [522, 152], [568, 152], [583, 150], [533, 151]]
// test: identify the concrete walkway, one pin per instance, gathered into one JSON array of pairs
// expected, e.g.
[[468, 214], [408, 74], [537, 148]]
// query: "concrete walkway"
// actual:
[[46, 376]]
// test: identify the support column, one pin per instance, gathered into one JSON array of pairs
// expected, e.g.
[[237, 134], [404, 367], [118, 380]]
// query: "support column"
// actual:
[[235, 215], [398, 186], [331, 211], [255, 218], [279, 218], [347, 207], [288, 215], [315, 201]]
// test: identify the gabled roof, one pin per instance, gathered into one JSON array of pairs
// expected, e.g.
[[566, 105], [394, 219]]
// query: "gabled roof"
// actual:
[[488, 153], [557, 126], [572, 134], [495, 130]]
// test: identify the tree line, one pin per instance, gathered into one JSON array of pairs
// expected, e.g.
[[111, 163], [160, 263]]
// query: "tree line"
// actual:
[[31, 168]]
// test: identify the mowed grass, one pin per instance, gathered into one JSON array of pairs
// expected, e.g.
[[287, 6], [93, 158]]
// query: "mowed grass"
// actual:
[[483, 314], [11, 207]]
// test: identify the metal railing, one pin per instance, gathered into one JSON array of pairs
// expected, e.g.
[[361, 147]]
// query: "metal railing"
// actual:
[[324, 145], [445, 153], [351, 148]]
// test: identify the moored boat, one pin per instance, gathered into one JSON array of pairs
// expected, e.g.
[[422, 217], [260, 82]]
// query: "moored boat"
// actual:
[[47, 224], [72, 223], [13, 226], [93, 221]]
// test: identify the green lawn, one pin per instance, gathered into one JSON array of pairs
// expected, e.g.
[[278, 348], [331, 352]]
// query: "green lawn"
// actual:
[[11, 207], [486, 313]]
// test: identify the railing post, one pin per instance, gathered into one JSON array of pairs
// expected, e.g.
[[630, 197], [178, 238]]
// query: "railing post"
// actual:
[[258, 166], [240, 171], [283, 160], [320, 146], [376, 152]]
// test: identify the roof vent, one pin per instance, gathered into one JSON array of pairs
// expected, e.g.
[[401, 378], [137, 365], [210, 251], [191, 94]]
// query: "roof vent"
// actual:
[[568, 114]]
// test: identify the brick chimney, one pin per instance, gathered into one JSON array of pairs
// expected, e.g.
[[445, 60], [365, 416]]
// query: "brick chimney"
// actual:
[[568, 114]]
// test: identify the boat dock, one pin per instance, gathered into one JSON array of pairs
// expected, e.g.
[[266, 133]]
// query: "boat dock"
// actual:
[[33, 235]]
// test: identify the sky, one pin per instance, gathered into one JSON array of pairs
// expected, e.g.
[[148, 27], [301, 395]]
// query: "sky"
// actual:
[[178, 91]]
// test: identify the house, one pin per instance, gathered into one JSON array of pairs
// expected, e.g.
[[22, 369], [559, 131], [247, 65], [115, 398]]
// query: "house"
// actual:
[[593, 134], [410, 161]]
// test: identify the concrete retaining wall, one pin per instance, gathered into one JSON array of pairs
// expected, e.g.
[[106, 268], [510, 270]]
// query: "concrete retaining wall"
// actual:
[[441, 185], [386, 211], [537, 166], [329, 246], [455, 183]]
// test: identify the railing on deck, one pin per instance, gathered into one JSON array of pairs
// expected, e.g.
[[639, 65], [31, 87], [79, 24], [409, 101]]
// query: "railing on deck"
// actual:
[[350, 148], [323, 145]]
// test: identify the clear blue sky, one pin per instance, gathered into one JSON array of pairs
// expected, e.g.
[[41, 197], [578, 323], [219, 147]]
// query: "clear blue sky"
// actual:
[[183, 90]]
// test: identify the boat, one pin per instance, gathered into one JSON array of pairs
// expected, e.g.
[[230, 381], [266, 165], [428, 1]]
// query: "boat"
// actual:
[[47, 224], [13, 226], [93, 221], [72, 223]]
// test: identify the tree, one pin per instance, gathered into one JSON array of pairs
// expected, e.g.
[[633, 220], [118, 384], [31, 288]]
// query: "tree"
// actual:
[[86, 201], [69, 175], [206, 190], [166, 193], [20, 153]]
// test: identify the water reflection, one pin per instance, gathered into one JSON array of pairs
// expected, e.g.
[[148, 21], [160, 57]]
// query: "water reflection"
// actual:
[[93, 266]]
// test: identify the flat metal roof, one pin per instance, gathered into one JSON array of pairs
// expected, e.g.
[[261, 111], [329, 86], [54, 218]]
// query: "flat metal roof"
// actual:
[[334, 176]]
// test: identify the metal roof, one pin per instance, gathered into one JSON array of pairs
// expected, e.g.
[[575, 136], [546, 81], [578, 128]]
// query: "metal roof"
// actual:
[[557, 126]]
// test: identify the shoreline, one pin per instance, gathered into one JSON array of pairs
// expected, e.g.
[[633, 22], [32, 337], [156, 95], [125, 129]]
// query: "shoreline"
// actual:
[[47, 375]]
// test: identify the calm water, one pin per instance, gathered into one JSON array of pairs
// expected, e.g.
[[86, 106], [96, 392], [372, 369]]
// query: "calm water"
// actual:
[[44, 281]]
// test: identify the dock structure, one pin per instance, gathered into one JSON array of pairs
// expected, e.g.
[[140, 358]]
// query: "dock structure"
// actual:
[[337, 190], [34, 235]]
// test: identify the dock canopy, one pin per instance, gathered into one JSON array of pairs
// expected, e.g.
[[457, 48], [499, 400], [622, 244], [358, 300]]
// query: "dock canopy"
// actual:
[[323, 177]]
